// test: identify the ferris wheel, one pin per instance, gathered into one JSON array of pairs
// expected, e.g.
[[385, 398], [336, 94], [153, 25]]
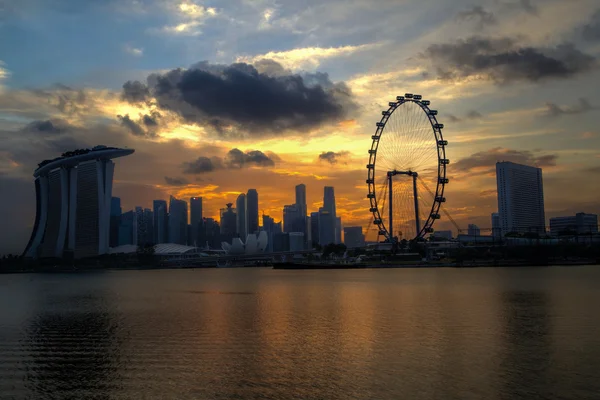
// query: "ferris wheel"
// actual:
[[407, 154]]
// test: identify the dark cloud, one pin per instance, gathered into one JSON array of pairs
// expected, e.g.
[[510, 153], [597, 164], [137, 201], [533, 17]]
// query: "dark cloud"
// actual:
[[522, 5], [583, 105], [503, 60], [46, 126], [238, 98], [235, 158], [151, 120], [473, 114], [332, 157], [135, 92], [136, 128], [176, 181], [201, 165], [591, 30], [479, 15], [485, 161], [452, 118]]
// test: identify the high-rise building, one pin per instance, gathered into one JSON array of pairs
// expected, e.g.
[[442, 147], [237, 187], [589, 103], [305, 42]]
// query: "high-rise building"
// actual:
[[290, 218], [148, 227], [178, 221], [580, 223], [252, 211], [240, 217], [211, 234], [520, 198], [353, 237], [301, 200], [329, 200], [296, 241], [473, 230], [496, 227], [161, 221], [73, 197], [338, 230], [268, 225], [326, 227], [195, 219], [228, 223], [128, 228], [281, 242], [115, 221], [314, 228]]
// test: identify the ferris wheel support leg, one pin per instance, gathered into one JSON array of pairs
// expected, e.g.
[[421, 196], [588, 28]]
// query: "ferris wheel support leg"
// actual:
[[417, 221], [390, 200]]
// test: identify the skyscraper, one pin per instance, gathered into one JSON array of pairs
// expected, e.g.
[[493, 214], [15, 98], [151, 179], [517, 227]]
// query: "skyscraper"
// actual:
[[115, 221], [73, 197], [161, 218], [178, 217], [228, 223], [338, 230], [161, 221], [326, 227], [240, 218], [520, 198], [128, 228], [291, 218], [195, 218], [496, 229], [329, 200], [252, 211], [301, 199], [314, 229]]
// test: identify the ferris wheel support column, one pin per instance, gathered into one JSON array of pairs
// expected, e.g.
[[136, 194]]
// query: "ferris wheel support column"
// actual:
[[390, 192], [416, 198]]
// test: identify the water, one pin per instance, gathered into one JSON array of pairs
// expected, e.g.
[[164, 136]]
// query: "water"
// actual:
[[531, 333]]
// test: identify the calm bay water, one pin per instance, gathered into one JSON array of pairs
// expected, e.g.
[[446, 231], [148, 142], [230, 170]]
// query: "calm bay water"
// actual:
[[484, 333]]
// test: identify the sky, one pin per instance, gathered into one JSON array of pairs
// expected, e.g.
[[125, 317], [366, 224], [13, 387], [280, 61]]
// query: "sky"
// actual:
[[217, 97]]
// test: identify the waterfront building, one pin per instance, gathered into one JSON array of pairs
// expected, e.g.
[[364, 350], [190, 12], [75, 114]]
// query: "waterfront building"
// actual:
[[520, 198], [240, 217], [296, 241], [354, 237], [326, 227], [161, 221], [447, 235], [195, 219], [178, 221], [301, 200], [281, 242], [228, 223], [252, 211], [115, 221], [290, 218], [496, 227], [580, 223], [73, 204], [338, 230], [314, 228], [473, 230], [128, 229]]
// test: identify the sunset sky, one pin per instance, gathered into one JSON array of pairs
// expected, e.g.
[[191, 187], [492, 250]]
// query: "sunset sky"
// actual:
[[217, 97]]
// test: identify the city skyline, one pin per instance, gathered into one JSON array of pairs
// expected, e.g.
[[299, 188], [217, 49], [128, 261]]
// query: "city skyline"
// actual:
[[214, 146]]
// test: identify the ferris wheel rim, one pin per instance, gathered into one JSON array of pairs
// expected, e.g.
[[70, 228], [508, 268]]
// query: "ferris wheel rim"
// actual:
[[442, 163]]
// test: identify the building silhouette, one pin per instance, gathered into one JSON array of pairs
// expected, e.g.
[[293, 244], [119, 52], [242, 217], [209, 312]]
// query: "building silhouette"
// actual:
[[496, 227], [228, 223], [252, 211], [314, 228], [240, 217], [354, 237], [161, 221], [128, 228], [520, 198], [178, 217], [326, 227], [580, 224], [473, 230], [115, 221], [73, 204], [301, 200], [338, 230], [195, 219]]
